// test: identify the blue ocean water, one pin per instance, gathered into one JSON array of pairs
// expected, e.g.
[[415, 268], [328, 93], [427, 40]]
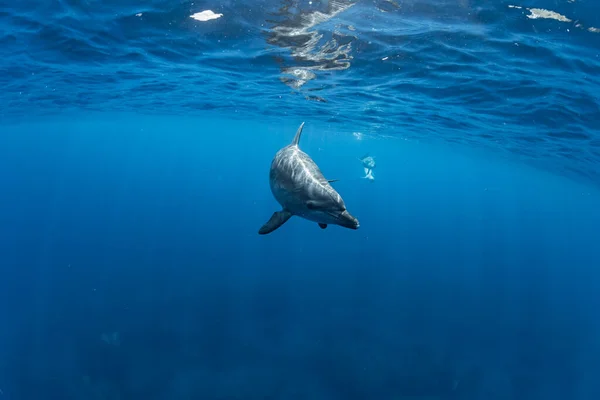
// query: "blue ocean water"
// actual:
[[135, 145]]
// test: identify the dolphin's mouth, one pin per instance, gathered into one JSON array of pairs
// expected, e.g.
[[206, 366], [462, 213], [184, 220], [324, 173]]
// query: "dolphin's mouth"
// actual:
[[348, 221]]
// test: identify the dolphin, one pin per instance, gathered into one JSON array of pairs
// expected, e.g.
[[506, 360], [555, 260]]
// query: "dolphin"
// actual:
[[368, 163], [301, 189]]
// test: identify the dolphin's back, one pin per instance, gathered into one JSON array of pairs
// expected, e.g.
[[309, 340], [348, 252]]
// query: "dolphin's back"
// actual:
[[296, 179]]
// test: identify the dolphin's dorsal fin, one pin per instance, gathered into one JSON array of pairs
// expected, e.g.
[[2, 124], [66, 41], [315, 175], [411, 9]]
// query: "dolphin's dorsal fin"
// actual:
[[298, 134]]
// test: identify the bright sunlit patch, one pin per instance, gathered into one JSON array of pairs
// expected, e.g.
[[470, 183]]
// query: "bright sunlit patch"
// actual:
[[206, 15]]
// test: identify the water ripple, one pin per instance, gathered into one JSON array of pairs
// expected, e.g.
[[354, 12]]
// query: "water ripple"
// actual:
[[478, 72]]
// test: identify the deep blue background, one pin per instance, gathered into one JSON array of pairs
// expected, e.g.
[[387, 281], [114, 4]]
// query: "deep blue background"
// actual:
[[135, 145], [472, 276]]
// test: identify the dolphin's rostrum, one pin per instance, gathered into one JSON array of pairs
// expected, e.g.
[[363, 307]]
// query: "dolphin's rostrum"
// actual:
[[301, 189]]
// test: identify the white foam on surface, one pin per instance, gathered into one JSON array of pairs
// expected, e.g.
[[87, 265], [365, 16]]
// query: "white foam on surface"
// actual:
[[205, 15], [542, 13]]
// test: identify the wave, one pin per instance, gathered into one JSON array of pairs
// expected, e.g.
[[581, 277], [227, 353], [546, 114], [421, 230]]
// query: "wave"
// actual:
[[522, 78]]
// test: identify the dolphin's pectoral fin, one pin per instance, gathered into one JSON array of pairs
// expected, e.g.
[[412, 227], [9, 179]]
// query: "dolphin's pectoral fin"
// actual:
[[323, 226], [332, 180], [277, 219]]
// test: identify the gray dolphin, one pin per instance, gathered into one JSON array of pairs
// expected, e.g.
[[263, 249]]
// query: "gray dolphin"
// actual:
[[301, 189]]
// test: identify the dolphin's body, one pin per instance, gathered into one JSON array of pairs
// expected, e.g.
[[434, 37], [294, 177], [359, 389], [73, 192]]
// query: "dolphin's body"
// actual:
[[301, 189], [368, 163]]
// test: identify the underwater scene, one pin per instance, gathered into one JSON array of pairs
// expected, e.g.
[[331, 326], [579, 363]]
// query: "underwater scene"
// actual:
[[300, 200]]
